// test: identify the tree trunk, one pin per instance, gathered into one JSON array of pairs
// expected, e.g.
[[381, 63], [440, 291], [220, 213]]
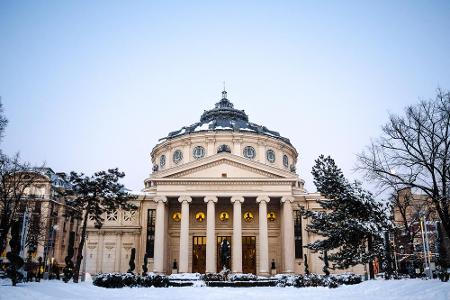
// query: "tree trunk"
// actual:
[[76, 273], [370, 248], [4, 229]]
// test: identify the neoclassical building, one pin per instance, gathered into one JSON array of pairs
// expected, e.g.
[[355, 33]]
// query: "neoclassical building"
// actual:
[[221, 184]]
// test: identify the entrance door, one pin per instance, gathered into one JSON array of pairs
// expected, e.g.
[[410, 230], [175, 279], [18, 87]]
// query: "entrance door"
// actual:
[[220, 239], [199, 254], [249, 254]]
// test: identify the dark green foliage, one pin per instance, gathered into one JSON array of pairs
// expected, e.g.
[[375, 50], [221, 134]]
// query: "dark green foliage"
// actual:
[[68, 269], [144, 266], [131, 262], [350, 217], [16, 262]]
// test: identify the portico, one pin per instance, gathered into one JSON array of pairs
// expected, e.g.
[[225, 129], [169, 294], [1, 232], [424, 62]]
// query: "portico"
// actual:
[[247, 217]]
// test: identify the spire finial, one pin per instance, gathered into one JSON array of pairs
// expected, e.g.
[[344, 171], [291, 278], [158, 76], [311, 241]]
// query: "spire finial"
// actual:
[[224, 92]]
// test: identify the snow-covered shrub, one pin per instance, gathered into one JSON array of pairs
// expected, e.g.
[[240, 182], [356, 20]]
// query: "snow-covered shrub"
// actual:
[[119, 280], [160, 281], [286, 279], [213, 277], [242, 277], [110, 280], [348, 278]]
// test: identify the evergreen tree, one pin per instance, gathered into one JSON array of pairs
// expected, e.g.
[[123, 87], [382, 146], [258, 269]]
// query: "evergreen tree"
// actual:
[[92, 197], [350, 216]]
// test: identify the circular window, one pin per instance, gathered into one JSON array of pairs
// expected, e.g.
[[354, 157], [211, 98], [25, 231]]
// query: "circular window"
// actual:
[[270, 156], [162, 161], [198, 152], [177, 156], [285, 161], [249, 152]]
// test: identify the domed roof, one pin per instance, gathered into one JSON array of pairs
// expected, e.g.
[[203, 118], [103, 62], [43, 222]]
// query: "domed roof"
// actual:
[[224, 117]]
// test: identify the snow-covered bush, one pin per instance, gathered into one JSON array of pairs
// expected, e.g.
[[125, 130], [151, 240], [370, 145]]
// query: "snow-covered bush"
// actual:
[[315, 280], [242, 277], [213, 277], [119, 280], [348, 278]]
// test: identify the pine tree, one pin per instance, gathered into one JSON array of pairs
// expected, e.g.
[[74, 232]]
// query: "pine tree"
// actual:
[[350, 216], [92, 196]]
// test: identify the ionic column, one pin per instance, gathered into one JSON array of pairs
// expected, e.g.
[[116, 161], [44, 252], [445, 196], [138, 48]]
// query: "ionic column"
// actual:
[[263, 236], [160, 231], [210, 234], [288, 235], [183, 264], [236, 265]]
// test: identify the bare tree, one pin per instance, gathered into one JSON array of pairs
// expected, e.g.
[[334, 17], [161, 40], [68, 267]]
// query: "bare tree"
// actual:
[[414, 152], [3, 120], [16, 182]]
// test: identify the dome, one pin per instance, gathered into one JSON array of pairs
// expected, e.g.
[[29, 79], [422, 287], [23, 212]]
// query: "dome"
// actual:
[[224, 117]]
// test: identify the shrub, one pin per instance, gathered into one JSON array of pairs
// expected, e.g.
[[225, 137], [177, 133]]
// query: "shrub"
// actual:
[[119, 280], [242, 277], [213, 277]]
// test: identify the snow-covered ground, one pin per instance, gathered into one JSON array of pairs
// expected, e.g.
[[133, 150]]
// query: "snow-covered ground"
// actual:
[[411, 289]]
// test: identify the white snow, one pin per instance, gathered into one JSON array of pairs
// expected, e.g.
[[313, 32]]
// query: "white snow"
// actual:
[[408, 289], [185, 276]]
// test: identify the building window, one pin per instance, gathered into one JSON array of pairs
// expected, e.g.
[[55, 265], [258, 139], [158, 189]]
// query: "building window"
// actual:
[[162, 161], [150, 249], [249, 152], [198, 152], [298, 234], [270, 154], [285, 161], [177, 156]]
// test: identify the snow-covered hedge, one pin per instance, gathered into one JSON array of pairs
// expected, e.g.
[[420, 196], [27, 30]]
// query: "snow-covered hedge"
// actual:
[[120, 280], [315, 280], [242, 277]]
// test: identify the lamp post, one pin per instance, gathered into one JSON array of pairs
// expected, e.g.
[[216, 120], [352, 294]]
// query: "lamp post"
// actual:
[[424, 247]]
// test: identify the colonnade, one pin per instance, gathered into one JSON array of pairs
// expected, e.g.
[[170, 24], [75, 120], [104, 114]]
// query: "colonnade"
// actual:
[[288, 250]]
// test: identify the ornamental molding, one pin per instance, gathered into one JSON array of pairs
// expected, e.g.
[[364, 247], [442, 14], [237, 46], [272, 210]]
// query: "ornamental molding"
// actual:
[[222, 182]]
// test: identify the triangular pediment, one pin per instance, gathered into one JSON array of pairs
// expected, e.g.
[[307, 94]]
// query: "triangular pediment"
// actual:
[[224, 165]]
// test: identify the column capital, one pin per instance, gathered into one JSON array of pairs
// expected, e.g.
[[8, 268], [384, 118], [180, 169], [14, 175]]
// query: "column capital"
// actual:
[[183, 198], [263, 198], [237, 198], [210, 198], [163, 199], [289, 199]]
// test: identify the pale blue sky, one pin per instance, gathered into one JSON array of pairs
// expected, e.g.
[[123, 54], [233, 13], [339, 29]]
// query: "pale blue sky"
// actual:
[[88, 85]]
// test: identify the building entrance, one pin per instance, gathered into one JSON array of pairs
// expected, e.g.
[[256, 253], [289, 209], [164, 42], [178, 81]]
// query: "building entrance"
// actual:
[[249, 254], [199, 254]]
